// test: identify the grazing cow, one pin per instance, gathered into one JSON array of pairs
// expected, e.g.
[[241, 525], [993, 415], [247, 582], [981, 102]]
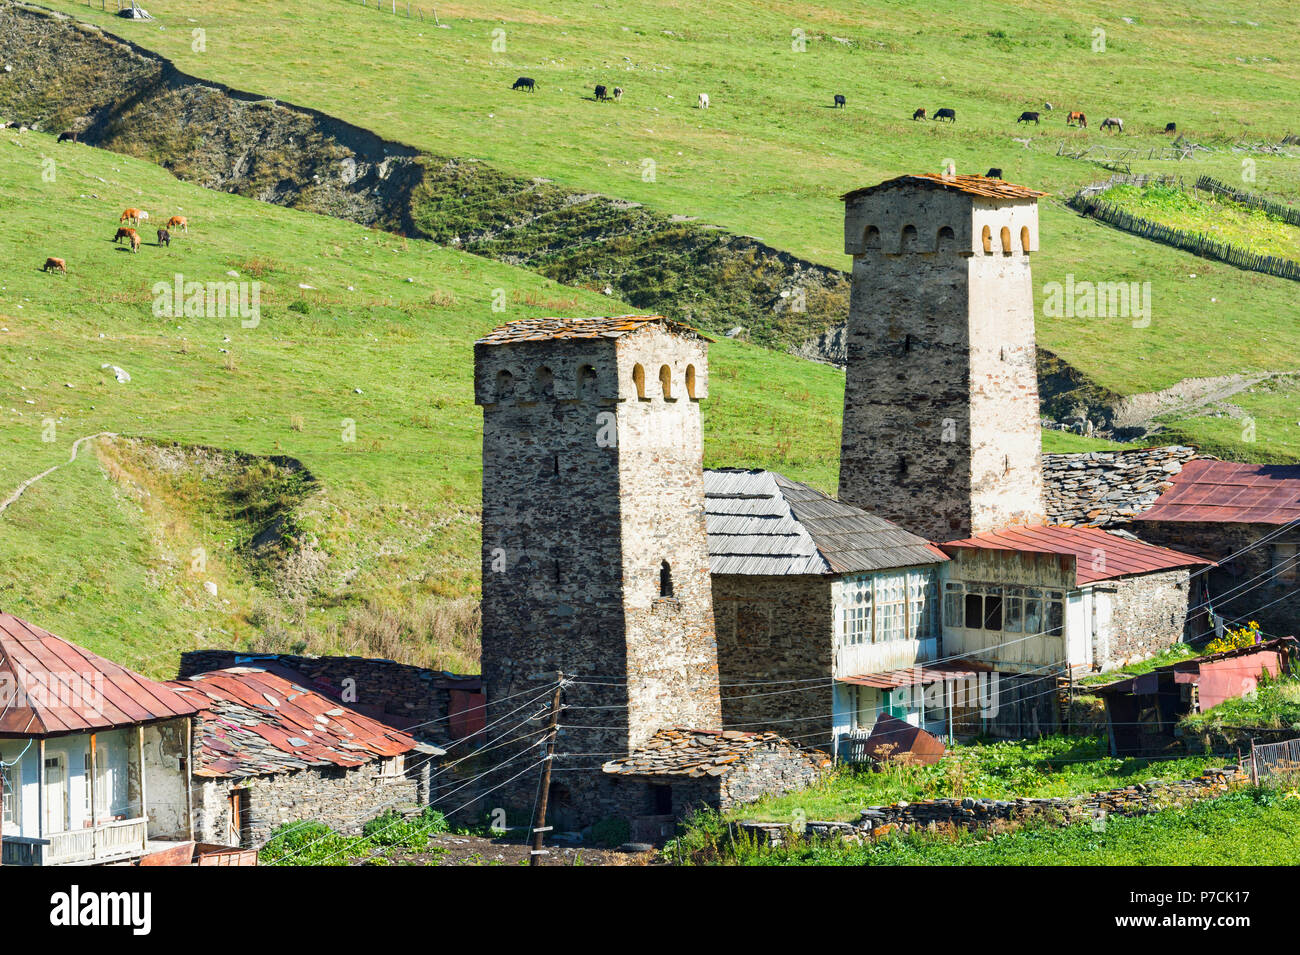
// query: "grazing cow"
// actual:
[[525, 83], [178, 222], [994, 173], [839, 101], [618, 93], [135, 242], [949, 114], [602, 94], [1048, 107], [125, 233], [55, 265], [919, 114], [1028, 117], [703, 102], [164, 238], [1171, 127], [67, 137], [132, 216], [1113, 122], [1074, 118]]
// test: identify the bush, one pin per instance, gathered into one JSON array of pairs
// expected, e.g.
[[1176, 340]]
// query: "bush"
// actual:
[[305, 842], [611, 833]]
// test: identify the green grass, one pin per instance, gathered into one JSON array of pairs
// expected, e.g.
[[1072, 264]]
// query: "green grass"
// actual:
[[107, 561], [770, 158], [1179, 651], [1052, 766], [1248, 827], [1215, 216], [1274, 703]]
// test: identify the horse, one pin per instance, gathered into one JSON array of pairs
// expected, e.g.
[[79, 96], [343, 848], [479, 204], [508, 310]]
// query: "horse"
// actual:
[[1028, 117], [1113, 122], [602, 93], [703, 101], [55, 265], [1075, 118], [67, 137]]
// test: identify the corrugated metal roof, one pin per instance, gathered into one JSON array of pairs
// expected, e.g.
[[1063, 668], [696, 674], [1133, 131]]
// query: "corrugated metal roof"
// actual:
[[762, 523], [922, 674], [255, 723], [1192, 665], [981, 186], [1231, 492], [605, 326], [1099, 555], [58, 687]]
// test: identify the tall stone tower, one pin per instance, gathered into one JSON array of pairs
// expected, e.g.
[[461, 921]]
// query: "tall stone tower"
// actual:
[[941, 423], [595, 550]]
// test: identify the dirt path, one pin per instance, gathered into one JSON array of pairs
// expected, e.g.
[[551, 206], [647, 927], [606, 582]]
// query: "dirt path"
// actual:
[[76, 446], [1187, 396]]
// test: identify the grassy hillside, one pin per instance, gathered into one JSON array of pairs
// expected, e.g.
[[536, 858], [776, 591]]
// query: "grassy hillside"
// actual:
[[103, 549], [770, 156]]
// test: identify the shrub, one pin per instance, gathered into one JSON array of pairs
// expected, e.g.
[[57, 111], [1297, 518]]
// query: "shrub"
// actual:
[[611, 833]]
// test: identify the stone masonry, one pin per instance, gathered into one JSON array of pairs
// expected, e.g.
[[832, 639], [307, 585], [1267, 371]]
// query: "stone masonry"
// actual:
[[595, 554], [941, 428]]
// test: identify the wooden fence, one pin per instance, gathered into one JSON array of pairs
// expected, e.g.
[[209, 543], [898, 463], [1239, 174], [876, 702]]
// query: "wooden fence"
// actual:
[[1253, 200], [1276, 762], [399, 8], [1198, 243]]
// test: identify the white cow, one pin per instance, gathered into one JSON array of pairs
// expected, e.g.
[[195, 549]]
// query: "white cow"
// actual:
[[704, 101]]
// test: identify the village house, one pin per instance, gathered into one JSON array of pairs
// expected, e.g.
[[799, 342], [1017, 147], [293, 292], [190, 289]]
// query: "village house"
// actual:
[[95, 765], [269, 751]]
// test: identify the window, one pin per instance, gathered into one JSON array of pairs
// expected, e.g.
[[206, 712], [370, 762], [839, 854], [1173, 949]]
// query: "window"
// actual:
[[545, 383], [666, 382], [922, 604], [393, 767], [662, 797], [909, 238], [505, 384], [974, 610], [586, 382], [857, 614], [891, 609], [872, 238], [690, 382], [1013, 611], [11, 776], [665, 580], [1005, 236], [87, 785], [1024, 238], [638, 379], [953, 605], [1055, 611], [1033, 611], [993, 610], [986, 237], [1284, 562], [947, 239]]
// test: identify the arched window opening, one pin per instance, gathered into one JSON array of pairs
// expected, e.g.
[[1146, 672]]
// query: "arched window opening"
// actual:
[[505, 385], [909, 238], [638, 379], [1024, 238], [665, 580], [947, 239], [690, 382], [986, 237], [586, 382], [666, 381], [872, 238], [1006, 239], [545, 383]]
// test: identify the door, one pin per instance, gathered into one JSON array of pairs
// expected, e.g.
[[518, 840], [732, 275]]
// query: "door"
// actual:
[[56, 793], [239, 821]]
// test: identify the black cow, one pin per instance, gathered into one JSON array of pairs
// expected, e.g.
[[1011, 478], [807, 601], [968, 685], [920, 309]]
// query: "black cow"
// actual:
[[839, 101], [949, 114], [68, 137], [164, 238], [602, 94], [919, 114], [1171, 127], [1028, 117], [525, 83], [994, 173]]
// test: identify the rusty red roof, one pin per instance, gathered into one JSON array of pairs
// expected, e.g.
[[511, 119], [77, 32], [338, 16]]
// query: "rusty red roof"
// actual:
[[981, 186], [922, 674], [1098, 554], [50, 685], [1231, 492], [551, 329], [255, 723]]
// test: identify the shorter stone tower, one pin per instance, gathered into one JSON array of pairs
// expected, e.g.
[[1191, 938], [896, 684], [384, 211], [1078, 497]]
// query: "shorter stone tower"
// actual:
[[941, 422], [595, 550]]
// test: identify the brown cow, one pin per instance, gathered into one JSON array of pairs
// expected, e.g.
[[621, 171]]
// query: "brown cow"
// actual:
[[1076, 119], [55, 265], [919, 114], [125, 233], [135, 242], [132, 216], [164, 238], [68, 137], [178, 222]]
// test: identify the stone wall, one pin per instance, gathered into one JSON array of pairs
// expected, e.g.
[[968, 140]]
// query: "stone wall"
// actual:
[[1148, 614], [775, 633], [941, 431], [973, 814]]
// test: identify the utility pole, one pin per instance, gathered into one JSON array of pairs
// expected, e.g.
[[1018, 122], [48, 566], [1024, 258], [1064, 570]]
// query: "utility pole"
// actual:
[[540, 827]]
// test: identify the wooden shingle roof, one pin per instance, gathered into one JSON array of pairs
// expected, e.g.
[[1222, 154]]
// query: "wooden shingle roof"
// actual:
[[698, 754], [555, 329], [981, 186], [762, 523]]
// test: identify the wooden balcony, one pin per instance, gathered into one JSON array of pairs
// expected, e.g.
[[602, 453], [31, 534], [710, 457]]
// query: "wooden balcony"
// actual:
[[110, 842]]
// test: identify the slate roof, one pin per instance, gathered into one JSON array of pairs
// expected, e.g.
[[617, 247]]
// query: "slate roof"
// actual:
[[55, 686], [256, 723], [762, 523], [698, 754], [1122, 557], [1109, 488], [981, 186], [552, 329], [1231, 492]]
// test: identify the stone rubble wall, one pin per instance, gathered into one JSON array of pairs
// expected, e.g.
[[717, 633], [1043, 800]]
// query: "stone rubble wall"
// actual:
[[1108, 488]]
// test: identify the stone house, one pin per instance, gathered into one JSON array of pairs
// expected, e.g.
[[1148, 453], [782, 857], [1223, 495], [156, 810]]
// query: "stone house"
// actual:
[[94, 767], [267, 751], [1245, 518], [810, 597]]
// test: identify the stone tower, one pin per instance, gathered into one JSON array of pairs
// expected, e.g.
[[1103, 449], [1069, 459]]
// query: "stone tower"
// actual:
[[941, 423], [595, 551]]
